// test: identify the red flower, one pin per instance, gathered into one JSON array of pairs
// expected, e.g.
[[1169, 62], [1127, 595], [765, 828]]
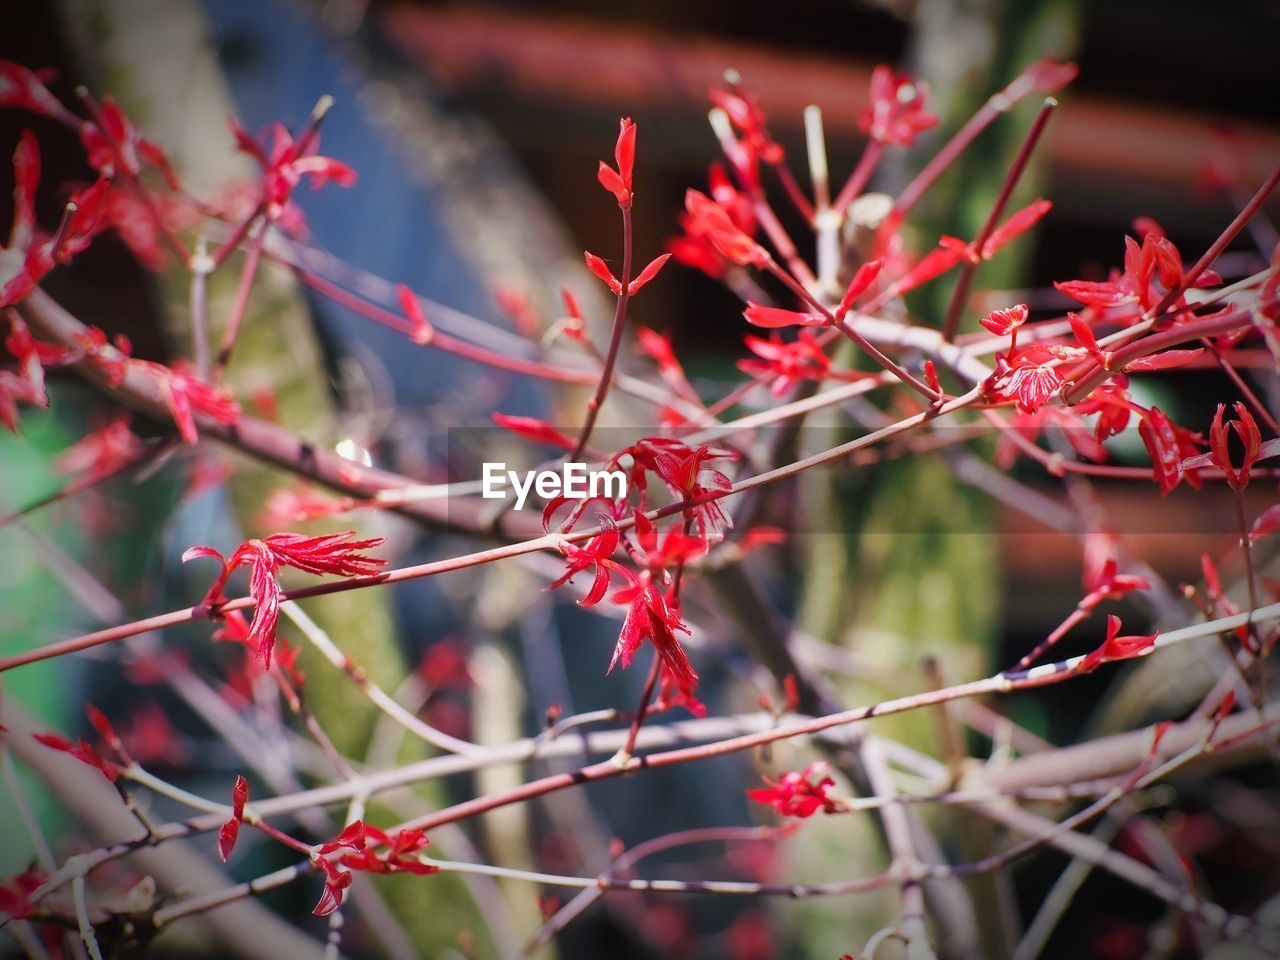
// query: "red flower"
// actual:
[[1116, 647], [334, 554], [897, 113], [13, 389], [709, 219], [796, 795], [231, 829], [618, 182], [287, 162], [1155, 258]]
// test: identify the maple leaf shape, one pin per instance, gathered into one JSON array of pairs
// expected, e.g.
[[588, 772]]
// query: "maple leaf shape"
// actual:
[[332, 554]]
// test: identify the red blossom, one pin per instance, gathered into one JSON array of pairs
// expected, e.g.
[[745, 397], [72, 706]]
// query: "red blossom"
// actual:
[[618, 182], [285, 507], [897, 113], [795, 794], [673, 692], [756, 144], [1116, 647], [333, 554], [228, 832]]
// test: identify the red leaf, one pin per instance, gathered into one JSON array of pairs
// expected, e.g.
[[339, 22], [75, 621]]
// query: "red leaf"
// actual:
[[1004, 322], [601, 269], [774, 317], [1157, 433], [862, 279], [227, 835], [648, 273], [710, 219], [1268, 522], [534, 429], [1164, 361], [1096, 294], [1018, 223]]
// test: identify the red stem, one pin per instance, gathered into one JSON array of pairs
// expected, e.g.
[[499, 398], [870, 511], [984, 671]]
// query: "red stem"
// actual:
[[615, 342], [965, 280]]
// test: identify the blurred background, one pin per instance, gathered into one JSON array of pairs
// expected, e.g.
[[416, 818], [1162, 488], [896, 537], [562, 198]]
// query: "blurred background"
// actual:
[[476, 129]]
